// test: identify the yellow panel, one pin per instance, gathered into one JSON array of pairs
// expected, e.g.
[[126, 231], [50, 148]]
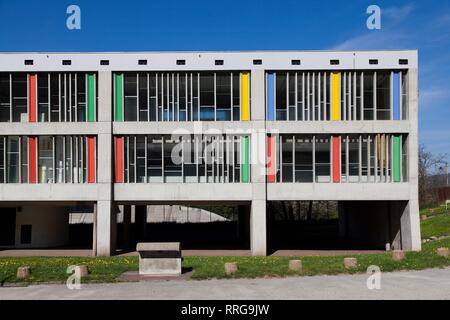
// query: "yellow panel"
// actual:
[[336, 96], [245, 110]]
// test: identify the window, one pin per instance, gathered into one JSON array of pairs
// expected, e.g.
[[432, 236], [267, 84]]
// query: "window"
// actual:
[[281, 103], [130, 97], [303, 159], [368, 96], [383, 96], [5, 97], [223, 96], [13, 166], [45, 154], [322, 157], [20, 98]]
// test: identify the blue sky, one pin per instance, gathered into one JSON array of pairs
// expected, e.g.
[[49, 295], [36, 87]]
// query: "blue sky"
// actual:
[[249, 25]]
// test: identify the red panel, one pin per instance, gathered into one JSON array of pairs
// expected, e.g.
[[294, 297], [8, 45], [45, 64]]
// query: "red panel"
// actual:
[[32, 158], [336, 159], [271, 169], [91, 159], [32, 103], [118, 159]]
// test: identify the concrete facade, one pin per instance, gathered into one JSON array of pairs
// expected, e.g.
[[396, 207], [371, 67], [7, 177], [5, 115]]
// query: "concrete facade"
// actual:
[[401, 229]]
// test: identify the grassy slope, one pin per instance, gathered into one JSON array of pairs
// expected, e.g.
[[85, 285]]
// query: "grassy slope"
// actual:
[[437, 226]]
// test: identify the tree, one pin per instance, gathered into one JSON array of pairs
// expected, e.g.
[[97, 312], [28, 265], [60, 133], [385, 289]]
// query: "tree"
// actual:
[[428, 163]]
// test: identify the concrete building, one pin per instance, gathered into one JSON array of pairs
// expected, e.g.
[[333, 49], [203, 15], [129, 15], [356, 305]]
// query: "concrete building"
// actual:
[[192, 128]]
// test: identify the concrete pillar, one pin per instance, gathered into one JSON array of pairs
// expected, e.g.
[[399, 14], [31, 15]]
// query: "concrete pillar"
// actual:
[[127, 226], [258, 241], [105, 209], [410, 227], [258, 231], [106, 228], [410, 222]]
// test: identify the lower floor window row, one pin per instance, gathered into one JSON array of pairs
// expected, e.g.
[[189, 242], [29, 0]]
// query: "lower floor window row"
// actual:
[[337, 158], [47, 159], [190, 159]]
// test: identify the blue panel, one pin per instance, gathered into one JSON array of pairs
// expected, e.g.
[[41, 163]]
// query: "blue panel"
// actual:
[[396, 95], [270, 96]]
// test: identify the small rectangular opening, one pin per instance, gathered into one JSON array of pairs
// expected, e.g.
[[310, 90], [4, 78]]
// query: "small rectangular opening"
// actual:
[[67, 62], [257, 61], [218, 62], [104, 62], [296, 62], [28, 62], [373, 61], [403, 61], [25, 234], [181, 62], [142, 62], [334, 62]]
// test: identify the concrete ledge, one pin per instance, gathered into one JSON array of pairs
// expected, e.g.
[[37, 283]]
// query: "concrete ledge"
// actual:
[[182, 191], [338, 127], [54, 128], [49, 192], [337, 191], [182, 127]]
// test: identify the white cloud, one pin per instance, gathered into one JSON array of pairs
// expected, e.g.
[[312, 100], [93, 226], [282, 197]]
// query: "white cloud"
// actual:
[[389, 37], [432, 96]]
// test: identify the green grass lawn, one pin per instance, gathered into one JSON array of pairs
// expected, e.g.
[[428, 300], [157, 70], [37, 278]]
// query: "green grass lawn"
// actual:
[[434, 211], [107, 269], [438, 225]]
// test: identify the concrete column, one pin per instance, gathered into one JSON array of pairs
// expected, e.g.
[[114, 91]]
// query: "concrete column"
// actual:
[[258, 228], [410, 222], [258, 242], [410, 227], [106, 209], [106, 228]]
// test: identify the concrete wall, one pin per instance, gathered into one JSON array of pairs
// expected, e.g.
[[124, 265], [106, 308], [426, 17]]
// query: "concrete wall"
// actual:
[[50, 226], [377, 223]]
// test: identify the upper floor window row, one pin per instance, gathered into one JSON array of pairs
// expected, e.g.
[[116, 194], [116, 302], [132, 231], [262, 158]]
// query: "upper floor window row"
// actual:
[[48, 97], [336, 95], [182, 96]]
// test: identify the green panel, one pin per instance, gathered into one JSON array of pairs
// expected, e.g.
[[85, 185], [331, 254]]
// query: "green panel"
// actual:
[[245, 165], [91, 97], [118, 78], [397, 158]]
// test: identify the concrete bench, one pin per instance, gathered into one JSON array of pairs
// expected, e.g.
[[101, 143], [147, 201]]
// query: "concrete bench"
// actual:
[[159, 258], [447, 202]]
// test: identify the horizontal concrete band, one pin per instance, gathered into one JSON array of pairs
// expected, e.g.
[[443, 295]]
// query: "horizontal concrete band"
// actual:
[[338, 191], [238, 60], [232, 127], [160, 192]]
